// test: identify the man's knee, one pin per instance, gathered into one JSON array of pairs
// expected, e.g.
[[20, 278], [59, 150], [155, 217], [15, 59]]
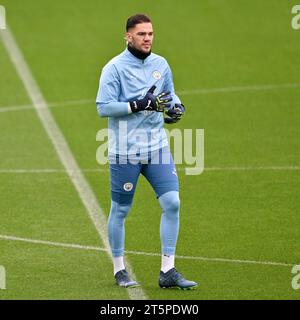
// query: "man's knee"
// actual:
[[119, 210], [123, 210], [173, 204], [170, 201]]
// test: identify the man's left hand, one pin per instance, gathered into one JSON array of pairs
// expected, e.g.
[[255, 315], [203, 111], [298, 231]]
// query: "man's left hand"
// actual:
[[174, 113]]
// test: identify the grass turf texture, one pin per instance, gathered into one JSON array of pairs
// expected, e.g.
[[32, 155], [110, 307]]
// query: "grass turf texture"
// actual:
[[242, 214]]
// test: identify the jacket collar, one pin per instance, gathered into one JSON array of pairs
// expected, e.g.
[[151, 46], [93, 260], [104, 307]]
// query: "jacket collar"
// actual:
[[141, 56]]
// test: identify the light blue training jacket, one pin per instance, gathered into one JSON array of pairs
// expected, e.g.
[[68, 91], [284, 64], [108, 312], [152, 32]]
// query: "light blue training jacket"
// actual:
[[126, 78]]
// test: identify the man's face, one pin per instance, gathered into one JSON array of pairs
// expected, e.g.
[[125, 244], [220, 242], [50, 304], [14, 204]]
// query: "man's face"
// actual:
[[141, 36]]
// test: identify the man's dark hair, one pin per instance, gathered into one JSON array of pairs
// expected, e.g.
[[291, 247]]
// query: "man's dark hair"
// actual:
[[136, 19]]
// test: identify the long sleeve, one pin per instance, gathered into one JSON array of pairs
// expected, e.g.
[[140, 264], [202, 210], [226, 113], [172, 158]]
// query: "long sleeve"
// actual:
[[108, 94], [169, 85]]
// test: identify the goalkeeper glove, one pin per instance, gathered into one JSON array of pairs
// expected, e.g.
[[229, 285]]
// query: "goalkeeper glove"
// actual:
[[174, 113], [151, 102]]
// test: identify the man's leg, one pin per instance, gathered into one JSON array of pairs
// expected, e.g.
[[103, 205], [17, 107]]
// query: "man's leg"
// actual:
[[162, 175], [169, 228], [163, 179], [116, 232], [123, 178]]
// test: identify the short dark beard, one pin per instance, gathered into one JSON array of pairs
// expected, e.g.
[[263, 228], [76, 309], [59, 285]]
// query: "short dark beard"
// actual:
[[138, 53]]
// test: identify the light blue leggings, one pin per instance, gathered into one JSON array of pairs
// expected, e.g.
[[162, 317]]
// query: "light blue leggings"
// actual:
[[169, 225]]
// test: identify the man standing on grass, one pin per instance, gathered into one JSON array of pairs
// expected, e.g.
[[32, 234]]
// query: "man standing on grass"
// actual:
[[136, 92]]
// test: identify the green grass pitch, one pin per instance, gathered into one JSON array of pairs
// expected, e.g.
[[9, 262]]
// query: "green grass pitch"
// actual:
[[237, 67]]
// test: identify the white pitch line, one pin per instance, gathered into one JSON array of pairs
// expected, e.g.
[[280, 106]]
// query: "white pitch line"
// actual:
[[84, 247], [52, 243], [16, 171], [41, 171], [263, 87], [252, 168], [63, 151], [51, 104], [16, 108]]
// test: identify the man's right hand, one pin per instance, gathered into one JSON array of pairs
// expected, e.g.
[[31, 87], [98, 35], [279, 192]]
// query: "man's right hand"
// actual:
[[152, 102]]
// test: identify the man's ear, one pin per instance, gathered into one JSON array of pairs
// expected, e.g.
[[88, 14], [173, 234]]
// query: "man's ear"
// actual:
[[128, 37]]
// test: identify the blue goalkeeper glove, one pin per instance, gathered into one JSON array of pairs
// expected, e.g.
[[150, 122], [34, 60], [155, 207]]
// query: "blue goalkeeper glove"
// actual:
[[174, 113], [152, 102]]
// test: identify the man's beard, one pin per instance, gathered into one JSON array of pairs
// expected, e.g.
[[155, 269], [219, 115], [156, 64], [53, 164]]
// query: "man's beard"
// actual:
[[138, 53]]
